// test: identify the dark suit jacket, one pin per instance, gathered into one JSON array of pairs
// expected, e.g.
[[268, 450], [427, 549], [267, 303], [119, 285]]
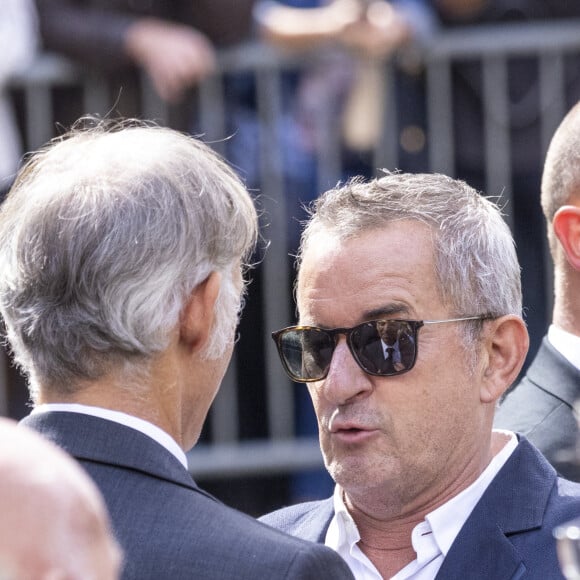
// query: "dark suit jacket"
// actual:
[[508, 535], [540, 407], [168, 527]]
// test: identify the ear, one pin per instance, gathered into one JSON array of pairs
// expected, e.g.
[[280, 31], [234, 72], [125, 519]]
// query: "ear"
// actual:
[[506, 344], [566, 224], [197, 317]]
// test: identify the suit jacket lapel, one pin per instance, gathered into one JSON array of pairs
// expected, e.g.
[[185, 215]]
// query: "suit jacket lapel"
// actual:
[[514, 503], [552, 373], [308, 521], [313, 524]]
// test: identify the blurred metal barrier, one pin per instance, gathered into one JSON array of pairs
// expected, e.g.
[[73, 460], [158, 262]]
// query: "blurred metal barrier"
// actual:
[[224, 453]]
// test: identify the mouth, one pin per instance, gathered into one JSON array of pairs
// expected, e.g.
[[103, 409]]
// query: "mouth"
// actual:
[[349, 433]]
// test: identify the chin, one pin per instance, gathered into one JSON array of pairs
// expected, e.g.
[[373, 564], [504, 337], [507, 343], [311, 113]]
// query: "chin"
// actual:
[[359, 472]]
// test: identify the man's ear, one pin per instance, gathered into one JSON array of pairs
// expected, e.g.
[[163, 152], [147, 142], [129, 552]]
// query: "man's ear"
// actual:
[[506, 343], [197, 317], [566, 224]]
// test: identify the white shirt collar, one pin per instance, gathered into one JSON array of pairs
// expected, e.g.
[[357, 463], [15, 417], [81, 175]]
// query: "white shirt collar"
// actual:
[[431, 539], [566, 343], [131, 421]]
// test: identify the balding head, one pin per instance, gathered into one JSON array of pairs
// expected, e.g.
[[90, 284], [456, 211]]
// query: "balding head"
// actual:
[[561, 176], [54, 523]]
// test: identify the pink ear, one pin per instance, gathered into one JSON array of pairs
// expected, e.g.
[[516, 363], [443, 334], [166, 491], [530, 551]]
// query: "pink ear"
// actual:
[[566, 224]]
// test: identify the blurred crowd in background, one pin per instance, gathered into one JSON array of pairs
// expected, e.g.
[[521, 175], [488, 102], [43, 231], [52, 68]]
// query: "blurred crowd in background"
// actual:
[[339, 49]]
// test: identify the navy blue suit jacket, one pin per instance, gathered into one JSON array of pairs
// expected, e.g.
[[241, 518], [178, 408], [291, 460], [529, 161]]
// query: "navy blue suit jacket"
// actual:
[[168, 527], [508, 536], [541, 408]]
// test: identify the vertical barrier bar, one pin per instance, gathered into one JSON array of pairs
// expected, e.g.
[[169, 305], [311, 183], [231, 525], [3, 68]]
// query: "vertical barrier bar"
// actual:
[[552, 97], [212, 112], [386, 152], [96, 96], [329, 135], [153, 107], [212, 122], [276, 278], [439, 112], [497, 130], [38, 107], [224, 409], [553, 106]]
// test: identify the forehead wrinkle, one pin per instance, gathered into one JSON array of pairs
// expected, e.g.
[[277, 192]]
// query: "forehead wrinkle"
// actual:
[[342, 283], [318, 297]]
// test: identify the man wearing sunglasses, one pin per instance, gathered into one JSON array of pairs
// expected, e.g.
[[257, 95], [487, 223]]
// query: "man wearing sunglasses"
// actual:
[[424, 487]]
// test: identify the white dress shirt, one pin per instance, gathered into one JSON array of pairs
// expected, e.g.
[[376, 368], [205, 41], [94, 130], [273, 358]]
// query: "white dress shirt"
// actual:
[[431, 539], [567, 344], [130, 421]]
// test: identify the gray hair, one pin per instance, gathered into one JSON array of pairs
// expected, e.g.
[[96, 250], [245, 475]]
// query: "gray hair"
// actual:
[[104, 235], [561, 177], [475, 259]]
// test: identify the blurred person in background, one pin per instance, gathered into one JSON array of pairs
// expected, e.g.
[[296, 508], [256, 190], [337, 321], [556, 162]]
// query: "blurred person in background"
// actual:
[[122, 253], [18, 41], [364, 33], [523, 124], [375, 27], [172, 42], [54, 522]]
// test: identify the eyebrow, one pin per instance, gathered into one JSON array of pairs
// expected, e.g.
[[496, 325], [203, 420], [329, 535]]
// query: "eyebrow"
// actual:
[[389, 311]]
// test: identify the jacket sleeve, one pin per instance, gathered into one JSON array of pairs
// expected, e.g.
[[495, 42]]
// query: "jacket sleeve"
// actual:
[[95, 37], [319, 562]]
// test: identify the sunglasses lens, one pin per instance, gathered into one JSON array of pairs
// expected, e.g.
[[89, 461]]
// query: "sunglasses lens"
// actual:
[[384, 347], [306, 353]]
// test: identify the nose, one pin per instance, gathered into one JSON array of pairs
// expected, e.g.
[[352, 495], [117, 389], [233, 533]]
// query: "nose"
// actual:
[[345, 381]]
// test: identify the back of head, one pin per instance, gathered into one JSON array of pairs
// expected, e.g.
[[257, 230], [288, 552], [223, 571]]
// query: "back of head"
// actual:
[[561, 176], [54, 523], [104, 233], [475, 258]]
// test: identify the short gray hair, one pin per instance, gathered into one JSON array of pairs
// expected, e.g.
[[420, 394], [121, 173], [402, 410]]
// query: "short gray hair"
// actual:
[[104, 235], [475, 258], [561, 176]]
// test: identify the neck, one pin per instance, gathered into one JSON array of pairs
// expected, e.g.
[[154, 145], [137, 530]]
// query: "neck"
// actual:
[[387, 544], [150, 396], [566, 315]]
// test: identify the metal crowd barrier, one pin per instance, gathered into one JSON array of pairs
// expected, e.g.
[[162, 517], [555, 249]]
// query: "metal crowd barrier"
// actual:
[[224, 454]]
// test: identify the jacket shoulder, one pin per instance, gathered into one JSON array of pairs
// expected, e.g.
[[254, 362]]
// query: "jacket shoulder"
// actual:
[[308, 520]]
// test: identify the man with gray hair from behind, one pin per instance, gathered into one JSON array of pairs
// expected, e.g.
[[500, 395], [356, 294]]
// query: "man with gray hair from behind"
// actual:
[[122, 251], [54, 523]]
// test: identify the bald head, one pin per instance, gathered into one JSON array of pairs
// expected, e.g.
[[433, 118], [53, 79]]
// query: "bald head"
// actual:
[[54, 523]]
